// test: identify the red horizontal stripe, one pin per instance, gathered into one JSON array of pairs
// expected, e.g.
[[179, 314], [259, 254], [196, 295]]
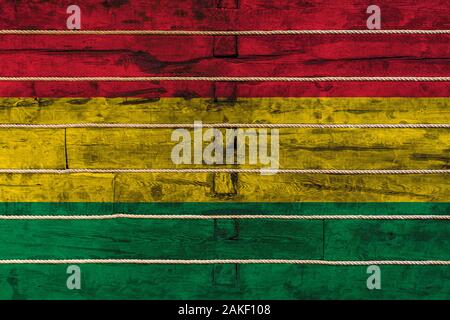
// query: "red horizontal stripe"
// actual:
[[399, 55], [274, 56], [229, 90], [205, 14]]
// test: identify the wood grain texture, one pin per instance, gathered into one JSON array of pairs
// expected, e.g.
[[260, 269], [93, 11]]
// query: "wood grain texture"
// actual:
[[343, 240], [200, 188], [225, 208], [192, 89], [240, 110], [195, 55], [73, 188], [32, 149], [343, 188], [208, 14], [299, 149], [315, 55], [197, 282], [161, 187], [273, 56], [207, 238], [151, 239], [357, 240]]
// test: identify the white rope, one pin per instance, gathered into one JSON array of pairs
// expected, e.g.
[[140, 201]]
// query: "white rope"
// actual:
[[231, 216], [226, 125], [218, 32], [234, 79], [229, 170], [228, 261]]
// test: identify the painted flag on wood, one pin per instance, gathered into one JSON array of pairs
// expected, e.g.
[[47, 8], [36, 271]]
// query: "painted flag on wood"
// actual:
[[73, 129]]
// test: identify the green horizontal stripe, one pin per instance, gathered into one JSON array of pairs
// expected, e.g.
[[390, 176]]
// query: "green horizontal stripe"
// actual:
[[224, 239], [223, 282], [273, 208], [160, 239]]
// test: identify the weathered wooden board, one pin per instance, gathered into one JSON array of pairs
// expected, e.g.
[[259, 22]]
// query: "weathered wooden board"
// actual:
[[158, 187], [299, 149], [223, 282], [203, 188], [56, 188], [240, 110], [224, 15], [151, 239], [32, 148], [225, 208], [390, 240], [193, 89], [274, 56], [322, 89], [343, 188]]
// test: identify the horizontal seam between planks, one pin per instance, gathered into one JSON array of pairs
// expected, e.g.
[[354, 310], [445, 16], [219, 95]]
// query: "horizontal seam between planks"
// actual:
[[226, 125], [220, 32], [234, 216], [226, 261], [232, 79]]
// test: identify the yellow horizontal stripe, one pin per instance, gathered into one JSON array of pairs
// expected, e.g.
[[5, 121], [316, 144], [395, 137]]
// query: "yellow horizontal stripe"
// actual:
[[42, 148], [215, 188], [245, 110], [299, 149], [150, 148]]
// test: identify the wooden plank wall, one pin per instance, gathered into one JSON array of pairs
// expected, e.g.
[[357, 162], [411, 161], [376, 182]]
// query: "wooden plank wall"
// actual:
[[249, 102]]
